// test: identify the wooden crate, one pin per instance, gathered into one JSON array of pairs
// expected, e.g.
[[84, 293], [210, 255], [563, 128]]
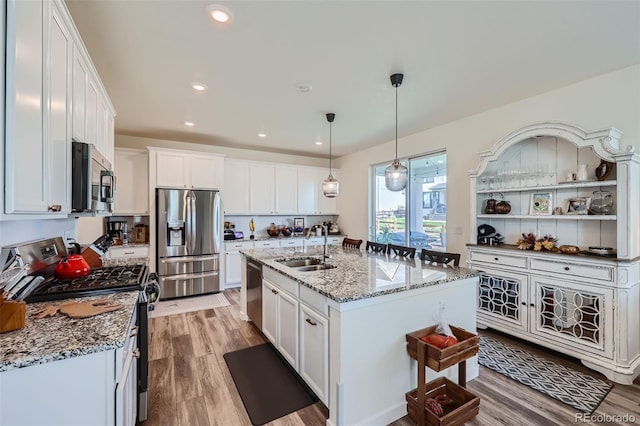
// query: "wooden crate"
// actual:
[[463, 407], [439, 359]]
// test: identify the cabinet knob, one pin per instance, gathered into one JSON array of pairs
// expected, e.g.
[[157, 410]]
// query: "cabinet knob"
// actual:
[[496, 259], [274, 291], [136, 353], [308, 320], [54, 208], [532, 305], [566, 268], [524, 303]]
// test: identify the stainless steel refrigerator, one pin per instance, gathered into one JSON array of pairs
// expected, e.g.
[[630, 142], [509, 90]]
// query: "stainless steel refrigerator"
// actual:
[[188, 242]]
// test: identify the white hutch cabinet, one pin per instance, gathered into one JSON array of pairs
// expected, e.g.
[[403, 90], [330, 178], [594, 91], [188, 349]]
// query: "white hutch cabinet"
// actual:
[[582, 304]]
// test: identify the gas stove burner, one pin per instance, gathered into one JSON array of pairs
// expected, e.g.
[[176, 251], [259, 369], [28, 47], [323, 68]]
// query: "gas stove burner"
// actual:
[[108, 279]]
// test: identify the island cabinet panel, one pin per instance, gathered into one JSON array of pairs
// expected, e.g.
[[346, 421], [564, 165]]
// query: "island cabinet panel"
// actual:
[[269, 311], [280, 320], [580, 304], [314, 351]]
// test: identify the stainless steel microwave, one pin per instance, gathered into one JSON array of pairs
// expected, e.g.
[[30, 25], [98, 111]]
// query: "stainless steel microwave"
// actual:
[[93, 183]]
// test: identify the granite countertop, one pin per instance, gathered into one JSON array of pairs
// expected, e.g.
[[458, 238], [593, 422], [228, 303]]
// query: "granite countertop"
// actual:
[[359, 275], [60, 337]]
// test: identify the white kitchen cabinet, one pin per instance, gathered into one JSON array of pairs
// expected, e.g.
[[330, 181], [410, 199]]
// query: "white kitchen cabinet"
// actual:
[[42, 70], [126, 402], [233, 261], [79, 95], [128, 253], [270, 243], [311, 199], [286, 190], [314, 351], [177, 169], [132, 182], [38, 70], [236, 187], [91, 114], [292, 242], [581, 305], [280, 319], [262, 190]]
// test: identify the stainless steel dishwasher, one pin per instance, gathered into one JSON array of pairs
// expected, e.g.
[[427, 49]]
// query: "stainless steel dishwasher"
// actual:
[[254, 292]]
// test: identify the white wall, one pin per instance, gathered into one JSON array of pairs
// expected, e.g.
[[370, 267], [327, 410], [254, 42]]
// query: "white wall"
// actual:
[[609, 100], [123, 141], [26, 230]]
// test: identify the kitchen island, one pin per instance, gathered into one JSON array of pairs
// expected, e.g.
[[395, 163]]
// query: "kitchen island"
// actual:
[[344, 328]]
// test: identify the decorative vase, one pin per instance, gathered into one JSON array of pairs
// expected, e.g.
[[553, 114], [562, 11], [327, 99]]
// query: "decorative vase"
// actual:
[[582, 172]]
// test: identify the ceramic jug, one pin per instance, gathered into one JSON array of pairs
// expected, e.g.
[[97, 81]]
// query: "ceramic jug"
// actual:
[[582, 174]]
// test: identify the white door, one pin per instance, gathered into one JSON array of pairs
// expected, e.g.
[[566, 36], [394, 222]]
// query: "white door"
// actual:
[[236, 187], [132, 174], [233, 261], [262, 192], [286, 190], [307, 190], [170, 170], [79, 95], [269, 311], [206, 172], [91, 114]]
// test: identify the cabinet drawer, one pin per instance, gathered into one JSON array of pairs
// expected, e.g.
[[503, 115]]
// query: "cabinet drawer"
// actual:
[[280, 281], [314, 300], [127, 252], [266, 244], [240, 245], [599, 272], [335, 240], [291, 243], [499, 259]]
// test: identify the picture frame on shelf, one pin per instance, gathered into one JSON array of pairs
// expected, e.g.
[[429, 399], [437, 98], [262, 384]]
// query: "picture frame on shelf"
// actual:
[[578, 205], [541, 203], [298, 224]]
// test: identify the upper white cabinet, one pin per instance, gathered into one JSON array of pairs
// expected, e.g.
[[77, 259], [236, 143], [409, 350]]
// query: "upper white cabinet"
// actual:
[[272, 188], [42, 60], [236, 187], [311, 199], [132, 182], [37, 135], [180, 169]]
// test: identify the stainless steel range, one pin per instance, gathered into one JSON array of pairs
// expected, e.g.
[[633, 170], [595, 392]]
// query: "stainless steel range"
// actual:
[[39, 258]]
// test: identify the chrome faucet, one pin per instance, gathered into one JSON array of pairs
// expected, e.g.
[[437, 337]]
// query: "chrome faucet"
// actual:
[[325, 250]]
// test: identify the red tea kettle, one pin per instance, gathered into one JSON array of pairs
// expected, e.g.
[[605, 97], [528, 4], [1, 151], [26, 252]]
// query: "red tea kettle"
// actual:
[[72, 266]]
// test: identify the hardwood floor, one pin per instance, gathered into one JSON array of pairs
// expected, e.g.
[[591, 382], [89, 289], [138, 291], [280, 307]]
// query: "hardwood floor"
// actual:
[[190, 384]]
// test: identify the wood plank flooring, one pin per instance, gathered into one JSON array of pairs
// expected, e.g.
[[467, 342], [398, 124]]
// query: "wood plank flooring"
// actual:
[[190, 384]]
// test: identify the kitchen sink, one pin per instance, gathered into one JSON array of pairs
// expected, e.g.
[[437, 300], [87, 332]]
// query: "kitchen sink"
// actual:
[[294, 263], [306, 264], [319, 267]]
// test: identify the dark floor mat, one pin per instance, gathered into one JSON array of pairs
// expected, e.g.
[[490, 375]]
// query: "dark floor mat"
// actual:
[[268, 386]]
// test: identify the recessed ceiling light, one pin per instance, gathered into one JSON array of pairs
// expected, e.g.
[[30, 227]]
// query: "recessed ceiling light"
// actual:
[[189, 123], [199, 87], [318, 142], [304, 87], [220, 14], [262, 135]]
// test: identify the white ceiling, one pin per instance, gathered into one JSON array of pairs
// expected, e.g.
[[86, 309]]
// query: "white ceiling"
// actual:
[[458, 57]]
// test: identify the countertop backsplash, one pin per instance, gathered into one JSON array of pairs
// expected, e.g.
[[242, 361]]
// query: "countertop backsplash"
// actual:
[[263, 222]]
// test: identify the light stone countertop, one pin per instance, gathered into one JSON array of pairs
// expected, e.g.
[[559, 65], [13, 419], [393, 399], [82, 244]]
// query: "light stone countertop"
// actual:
[[359, 275], [60, 337], [279, 237]]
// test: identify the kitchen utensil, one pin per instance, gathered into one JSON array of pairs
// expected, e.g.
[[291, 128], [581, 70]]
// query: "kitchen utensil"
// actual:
[[490, 207], [569, 249], [273, 230], [94, 253], [600, 250], [88, 308], [72, 266]]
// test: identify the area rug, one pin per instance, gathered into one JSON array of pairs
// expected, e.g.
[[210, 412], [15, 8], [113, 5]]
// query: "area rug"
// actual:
[[188, 304], [268, 386], [576, 389]]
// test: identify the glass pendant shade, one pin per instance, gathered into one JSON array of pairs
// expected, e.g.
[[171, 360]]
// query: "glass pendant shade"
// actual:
[[395, 176], [330, 186]]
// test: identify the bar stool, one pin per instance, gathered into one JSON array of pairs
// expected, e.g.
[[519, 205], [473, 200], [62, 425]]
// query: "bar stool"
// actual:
[[379, 248], [401, 251], [442, 257], [351, 243]]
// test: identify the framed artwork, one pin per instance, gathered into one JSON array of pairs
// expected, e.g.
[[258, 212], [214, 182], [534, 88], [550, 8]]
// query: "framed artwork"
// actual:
[[578, 205], [298, 224], [541, 203]]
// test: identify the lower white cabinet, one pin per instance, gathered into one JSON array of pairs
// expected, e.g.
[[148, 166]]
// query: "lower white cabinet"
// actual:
[[280, 320], [233, 261], [582, 306], [314, 351], [128, 253], [127, 385]]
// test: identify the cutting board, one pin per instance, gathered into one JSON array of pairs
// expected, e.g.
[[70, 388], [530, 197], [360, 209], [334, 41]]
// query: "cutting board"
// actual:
[[87, 309]]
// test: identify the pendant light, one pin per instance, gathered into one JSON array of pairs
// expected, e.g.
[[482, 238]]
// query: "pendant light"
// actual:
[[330, 186], [396, 175]]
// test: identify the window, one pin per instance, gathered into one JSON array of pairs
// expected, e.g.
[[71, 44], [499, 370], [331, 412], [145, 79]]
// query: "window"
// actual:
[[416, 216]]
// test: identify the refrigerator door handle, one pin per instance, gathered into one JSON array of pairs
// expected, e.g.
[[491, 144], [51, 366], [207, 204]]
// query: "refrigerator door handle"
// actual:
[[192, 219], [187, 222]]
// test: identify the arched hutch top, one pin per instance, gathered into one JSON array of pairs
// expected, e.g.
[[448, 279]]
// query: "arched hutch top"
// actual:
[[541, 157]]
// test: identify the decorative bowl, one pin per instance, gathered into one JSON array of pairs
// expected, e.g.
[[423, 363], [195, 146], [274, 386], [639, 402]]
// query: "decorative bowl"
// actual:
[[286, 231], [569, 249]]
